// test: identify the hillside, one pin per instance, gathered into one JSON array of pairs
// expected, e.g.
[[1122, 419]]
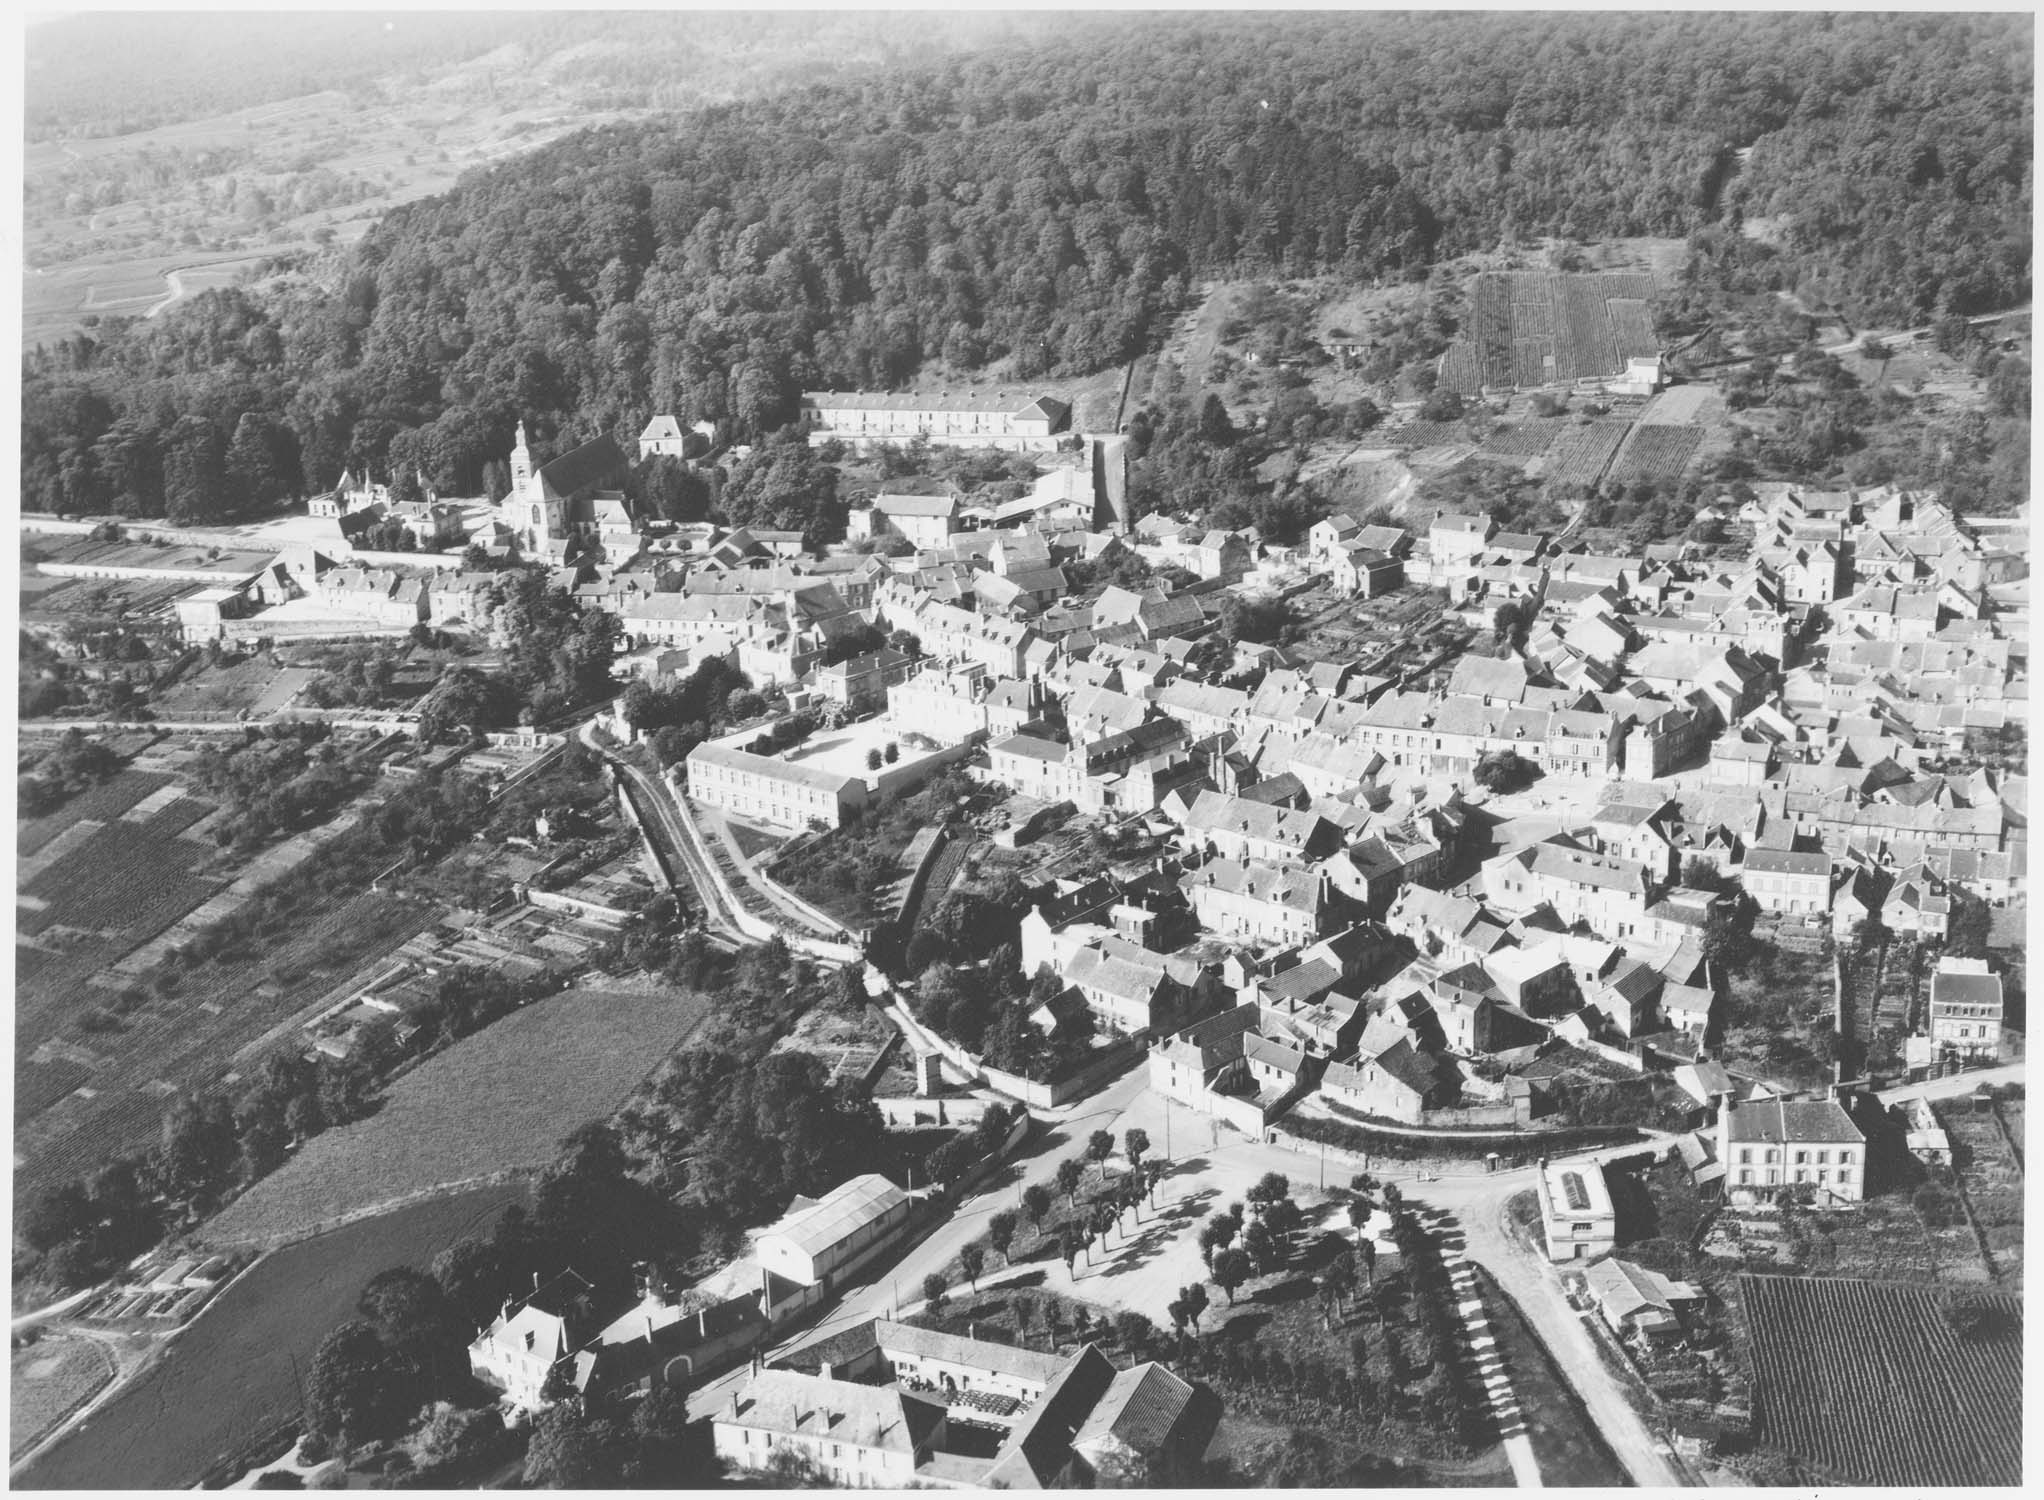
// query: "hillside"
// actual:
[[1026, 213], [219, 147]]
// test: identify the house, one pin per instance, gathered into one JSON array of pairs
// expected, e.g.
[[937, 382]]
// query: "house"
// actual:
[[1635, 1301], [864, 419], [865, 681], [1399, 1083], [1260, 903], [1771, 1145], [1607, 894], [819, 1240], [1330, 534], [1240, 829], [1965, 1008], [1126, 997], [518, 1354], [924, 520], [850, 1435], [1222, 554], [1576, 1215], [663, 435], [1784, 880], [1360, 571]]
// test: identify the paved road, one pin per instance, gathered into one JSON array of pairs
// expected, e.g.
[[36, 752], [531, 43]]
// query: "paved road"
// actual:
[[1063, 1132], [1955, 1084]]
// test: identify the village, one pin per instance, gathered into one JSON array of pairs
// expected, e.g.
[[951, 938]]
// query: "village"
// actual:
[[1571, 864]]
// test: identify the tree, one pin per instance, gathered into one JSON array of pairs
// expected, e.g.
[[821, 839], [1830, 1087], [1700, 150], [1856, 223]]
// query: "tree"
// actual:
[[1261, 1246], [873, 760], [1134, 1332], [1441, 405], [55, 1214], [1269, 1189], [1070, 1173], [350, 1395], [570, 1450], [1230, 1269], [1136, 1141], [972, 1259], [1502, 771], [1099, 1147], [1036, 1201], [1001, 1233], [934, 1290]]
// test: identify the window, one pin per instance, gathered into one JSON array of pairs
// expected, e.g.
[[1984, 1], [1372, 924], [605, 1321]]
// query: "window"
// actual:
[[1844, 1176], [1773, 1156], [1745, 1153], [1843, 1158], [1802, 1157], [1579, 1229], [1746, 1175], [1823, 1156]]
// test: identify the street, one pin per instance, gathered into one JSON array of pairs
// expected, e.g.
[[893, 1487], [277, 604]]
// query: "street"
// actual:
[[1142, 1271], [1062, 1134]]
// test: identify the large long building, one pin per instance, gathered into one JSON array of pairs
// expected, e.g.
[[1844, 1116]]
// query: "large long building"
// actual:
[[864, 419]]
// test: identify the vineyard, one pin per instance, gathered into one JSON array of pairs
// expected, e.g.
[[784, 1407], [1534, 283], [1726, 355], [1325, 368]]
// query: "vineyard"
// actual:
[[1527, 440], [1654, 452], [123, 878], [101, 803], [1529, 328], [1871, 1383], [1581, 454]]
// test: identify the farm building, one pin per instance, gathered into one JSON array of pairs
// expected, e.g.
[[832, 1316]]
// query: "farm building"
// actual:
[[817, 1239]]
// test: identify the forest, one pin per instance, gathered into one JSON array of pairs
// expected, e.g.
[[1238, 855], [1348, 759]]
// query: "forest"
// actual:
[[1029, 212]]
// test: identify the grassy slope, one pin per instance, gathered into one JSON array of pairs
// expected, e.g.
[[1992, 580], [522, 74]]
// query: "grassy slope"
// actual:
[[499, 1101]]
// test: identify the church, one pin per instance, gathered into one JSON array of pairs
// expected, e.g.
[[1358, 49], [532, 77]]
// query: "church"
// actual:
[[562, 508]]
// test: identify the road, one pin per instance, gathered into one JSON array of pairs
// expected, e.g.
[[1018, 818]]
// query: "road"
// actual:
[[176, 282], [1062, 1132], [1955, 1084], [661, 824]]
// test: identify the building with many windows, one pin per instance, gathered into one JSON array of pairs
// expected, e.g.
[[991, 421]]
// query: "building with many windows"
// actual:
[[865, 418], [1767, 1146], [1966, 1008]]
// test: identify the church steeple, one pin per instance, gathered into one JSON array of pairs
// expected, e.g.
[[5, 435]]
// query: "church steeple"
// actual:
[[521, 464]]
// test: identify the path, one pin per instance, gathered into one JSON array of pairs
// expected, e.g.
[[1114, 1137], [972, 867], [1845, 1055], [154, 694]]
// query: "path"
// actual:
[[175, 281]]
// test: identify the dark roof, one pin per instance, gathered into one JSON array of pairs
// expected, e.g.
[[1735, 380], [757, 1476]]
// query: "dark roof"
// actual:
[[1792, 1120], [583, 468], [1040, 1446], [1145, 1408]]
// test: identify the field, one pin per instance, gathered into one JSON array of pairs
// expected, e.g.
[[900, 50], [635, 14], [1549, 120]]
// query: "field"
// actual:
[[101, 804], [1528, 439], [121, 879], [1655, 451], [1531, 328], [498, 1102], [131, 1047], [237, 1370], [1869, 1384], [1580, 454], [47, 1380]]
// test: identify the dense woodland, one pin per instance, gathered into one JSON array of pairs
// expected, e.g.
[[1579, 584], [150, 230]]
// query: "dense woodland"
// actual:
[[1031, 212]]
